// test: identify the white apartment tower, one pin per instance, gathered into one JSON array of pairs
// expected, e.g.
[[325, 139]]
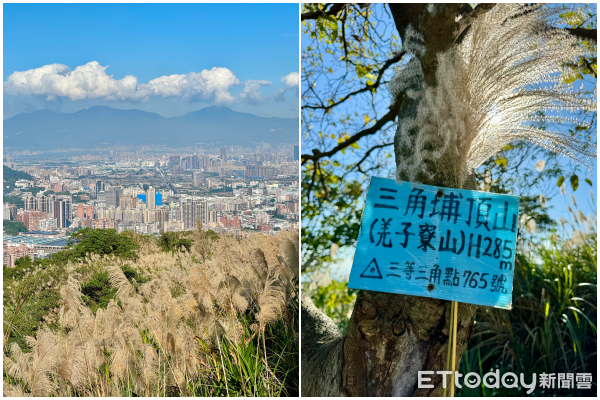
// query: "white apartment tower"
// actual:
[[150, 198]]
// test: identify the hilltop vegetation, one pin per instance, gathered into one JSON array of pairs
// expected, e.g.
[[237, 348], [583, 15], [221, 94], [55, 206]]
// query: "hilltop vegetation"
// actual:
[[13, 227], [11, 176], [188, 314]]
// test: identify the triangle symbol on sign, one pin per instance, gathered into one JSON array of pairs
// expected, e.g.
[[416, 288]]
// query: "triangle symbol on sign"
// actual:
[[372, 270]]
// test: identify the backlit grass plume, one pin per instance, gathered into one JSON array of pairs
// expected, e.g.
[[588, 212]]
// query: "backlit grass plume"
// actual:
[[502, 80], [219, 320]]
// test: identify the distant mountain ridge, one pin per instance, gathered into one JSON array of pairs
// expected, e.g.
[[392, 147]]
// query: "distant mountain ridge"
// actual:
[[107, 126]]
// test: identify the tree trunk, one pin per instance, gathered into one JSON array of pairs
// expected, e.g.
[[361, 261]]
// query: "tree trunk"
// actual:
[[390, 337]]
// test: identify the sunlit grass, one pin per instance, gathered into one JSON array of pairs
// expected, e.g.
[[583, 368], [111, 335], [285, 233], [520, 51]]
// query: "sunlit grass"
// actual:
[[218, 320]]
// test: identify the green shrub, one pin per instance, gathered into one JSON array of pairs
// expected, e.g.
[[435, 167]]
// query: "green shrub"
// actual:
[[36, 290], [98, 292], [13, 227], [552, 326], [132, 273], [170, 241], [335, 300], [212, 235], [102, 242]]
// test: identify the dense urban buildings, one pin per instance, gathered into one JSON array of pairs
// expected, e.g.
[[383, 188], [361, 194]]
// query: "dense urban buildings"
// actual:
[[230, 189]]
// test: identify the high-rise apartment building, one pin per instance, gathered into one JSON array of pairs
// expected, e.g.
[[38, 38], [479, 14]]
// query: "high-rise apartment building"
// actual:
[[197, 178], [112, 196], [50, 204], [89, 211], [192, 161], [68, 200], [42, 202], [128, 201], [193, 209], [80, 211], [161, 215], [151, 198], [99, 187], [31, 219], [48, 224], [60, 213], [7, 211], [224, 154], [29, 203]]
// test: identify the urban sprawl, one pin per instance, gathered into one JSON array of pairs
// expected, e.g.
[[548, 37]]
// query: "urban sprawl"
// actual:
[[232, 190]]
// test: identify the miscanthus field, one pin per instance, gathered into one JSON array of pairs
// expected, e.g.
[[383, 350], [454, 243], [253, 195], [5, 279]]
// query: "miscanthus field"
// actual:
[[189, 314]]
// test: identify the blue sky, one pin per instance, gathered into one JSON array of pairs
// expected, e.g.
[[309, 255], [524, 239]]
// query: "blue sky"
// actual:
[[253, 42]]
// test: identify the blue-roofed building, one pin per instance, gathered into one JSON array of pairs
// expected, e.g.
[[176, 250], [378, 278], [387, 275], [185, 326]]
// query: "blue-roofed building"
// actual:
[[157, 199]]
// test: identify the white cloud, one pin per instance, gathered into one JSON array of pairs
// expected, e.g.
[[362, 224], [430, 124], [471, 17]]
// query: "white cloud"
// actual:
[[86, 81], [279, 95], [90, 81], [291, 80], [209, 86], [251, 92]]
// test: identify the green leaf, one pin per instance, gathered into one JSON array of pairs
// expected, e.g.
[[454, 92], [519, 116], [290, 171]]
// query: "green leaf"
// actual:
[[588, 182], [574, 182], [501, 161], [560, 181]]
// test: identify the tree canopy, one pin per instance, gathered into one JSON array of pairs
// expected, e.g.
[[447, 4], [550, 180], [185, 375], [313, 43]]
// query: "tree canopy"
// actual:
[[486, 97]]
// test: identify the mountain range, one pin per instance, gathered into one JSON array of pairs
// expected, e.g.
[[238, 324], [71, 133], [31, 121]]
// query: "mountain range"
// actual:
[[105, 126]]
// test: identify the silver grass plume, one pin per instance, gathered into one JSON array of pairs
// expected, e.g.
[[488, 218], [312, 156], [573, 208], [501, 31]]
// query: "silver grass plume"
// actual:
[[155, 333], [119, 280], [72, 302], [490, 90]]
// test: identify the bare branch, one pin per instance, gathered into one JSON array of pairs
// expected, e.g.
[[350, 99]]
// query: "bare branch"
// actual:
[[368, 153], [317, 154], [336, 8], [589, 34], [368, 87]]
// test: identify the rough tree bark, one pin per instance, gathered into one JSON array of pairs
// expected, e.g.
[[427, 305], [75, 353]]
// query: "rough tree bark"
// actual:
[[391, 337]]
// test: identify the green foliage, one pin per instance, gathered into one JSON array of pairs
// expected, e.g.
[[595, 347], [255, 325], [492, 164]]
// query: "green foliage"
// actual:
[[98, 292], [516, 174], [16, 200], [552, 326], [222, 190], [102, 242], [13, 227], [210, 234], [334, 218], [170, 241], [35, 289], [131, 273], [10, 176], [335, 300], [582, 18], [574, 182], [244, 363]]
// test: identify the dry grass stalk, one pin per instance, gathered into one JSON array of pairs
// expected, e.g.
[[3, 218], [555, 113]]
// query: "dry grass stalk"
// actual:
[[147, 337]]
